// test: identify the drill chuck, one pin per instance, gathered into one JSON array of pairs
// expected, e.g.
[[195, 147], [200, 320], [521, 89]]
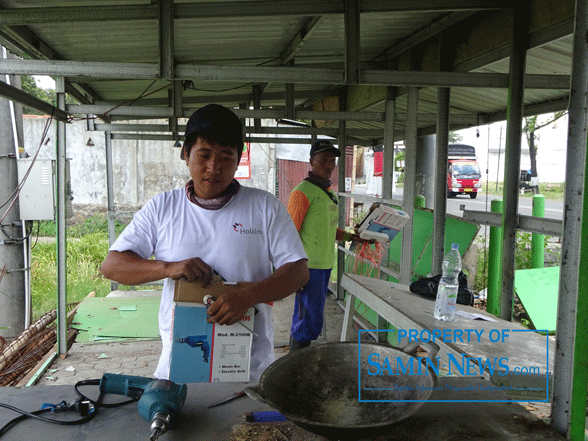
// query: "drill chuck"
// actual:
[[160, 401], [159, 425]]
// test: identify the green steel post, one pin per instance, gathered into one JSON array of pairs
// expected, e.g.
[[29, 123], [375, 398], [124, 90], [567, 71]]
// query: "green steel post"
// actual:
[[538, 240], [580, 365], [494, 264], [419, 201]]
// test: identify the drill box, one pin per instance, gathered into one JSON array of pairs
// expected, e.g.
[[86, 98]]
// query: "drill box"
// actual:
[[207, 352], [382, 220]]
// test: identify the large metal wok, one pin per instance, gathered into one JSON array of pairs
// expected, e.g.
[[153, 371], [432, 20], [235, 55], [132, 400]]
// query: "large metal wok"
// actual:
[[317, 388]]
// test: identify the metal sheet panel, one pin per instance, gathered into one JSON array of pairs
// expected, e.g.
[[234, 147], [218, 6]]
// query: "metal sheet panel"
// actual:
[[250, 40], [291, 173]]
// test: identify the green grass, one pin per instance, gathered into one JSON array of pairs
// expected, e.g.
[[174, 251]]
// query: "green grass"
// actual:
[[84, 257], [93, 224], [87, 246], [523, 256], [553, 191]]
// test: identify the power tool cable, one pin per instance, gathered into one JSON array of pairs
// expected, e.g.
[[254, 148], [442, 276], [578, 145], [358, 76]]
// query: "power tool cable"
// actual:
[[20, 418], [99, 402], [79, 406], [63, 406]]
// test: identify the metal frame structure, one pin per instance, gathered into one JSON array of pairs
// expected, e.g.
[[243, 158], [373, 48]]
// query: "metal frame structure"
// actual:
[[331, 62]]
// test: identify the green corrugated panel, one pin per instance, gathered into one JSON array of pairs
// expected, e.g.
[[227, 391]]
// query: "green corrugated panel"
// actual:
[[99, 319], [538, 291], [456, 231]]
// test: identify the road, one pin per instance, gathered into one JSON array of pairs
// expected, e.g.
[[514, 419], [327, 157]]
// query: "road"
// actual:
[[553, 208]]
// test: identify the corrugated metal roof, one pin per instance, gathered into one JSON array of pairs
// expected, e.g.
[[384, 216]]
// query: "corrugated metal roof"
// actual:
[[246, 34]]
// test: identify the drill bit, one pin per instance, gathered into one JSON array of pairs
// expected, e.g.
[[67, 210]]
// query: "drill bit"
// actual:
[[155, 434]]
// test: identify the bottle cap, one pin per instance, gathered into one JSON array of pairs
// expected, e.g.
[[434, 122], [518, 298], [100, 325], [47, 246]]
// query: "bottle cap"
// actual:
[[455, 246]]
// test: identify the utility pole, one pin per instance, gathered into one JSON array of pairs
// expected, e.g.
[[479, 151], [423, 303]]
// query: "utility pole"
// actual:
[[12, 274]]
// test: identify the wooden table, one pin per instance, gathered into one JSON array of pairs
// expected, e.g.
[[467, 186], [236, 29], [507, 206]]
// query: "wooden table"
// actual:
[[526, 351]]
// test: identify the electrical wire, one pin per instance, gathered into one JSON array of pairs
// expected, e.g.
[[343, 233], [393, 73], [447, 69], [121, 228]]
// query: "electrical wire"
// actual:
[[130, 102], [37, 236], [59, 407], [98, 403], [18, 419], [269, 61], [143, 94], [14, 196], [63, 406], [15, 239], [232, 88], [35, 415], [220, 90]]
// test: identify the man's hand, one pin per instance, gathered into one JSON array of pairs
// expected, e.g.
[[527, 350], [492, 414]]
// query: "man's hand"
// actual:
[[129, 268], [190, 270], [228, 309], [356, 238]]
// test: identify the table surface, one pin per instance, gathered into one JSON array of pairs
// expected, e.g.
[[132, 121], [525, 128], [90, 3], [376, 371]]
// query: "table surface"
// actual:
[[433, 421], [409, 311]]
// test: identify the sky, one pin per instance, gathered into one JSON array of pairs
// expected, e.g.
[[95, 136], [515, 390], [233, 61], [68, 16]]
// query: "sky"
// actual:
[[44, 82]]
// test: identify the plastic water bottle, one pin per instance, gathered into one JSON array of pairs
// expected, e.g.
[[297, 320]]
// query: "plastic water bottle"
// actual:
[[448, 285]]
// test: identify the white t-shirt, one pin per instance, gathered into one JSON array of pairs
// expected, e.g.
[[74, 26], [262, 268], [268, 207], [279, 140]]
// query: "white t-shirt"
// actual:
[[243, 241]]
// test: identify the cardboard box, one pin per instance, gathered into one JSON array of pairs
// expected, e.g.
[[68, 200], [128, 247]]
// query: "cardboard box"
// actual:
[[382, 223], [207, 352], [185, 291]]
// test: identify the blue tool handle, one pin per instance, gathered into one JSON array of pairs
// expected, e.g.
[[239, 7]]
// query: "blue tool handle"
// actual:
[[162, 396], [127, 385], [264, 417]]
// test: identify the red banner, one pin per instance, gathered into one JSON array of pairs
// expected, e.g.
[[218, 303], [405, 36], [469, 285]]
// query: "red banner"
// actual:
[[244, 169]]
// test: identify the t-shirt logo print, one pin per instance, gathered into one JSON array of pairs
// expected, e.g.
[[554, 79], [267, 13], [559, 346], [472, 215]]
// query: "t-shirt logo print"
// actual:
[[241, 230]]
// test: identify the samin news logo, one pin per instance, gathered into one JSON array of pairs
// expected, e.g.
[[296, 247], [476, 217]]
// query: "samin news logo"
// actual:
[[505, 375]]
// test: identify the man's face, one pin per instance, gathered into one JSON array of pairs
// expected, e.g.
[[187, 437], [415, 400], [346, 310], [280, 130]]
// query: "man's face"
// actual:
[[323, 164], [212, 167]]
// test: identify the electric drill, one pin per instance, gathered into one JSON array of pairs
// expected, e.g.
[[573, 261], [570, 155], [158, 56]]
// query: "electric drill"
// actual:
[[160, 401], [198, 341]]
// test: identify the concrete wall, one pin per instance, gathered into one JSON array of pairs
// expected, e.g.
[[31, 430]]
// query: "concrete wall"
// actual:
[[142, 169]]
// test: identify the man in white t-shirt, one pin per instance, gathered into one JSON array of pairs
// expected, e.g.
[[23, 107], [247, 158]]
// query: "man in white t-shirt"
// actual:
[[214, 224]]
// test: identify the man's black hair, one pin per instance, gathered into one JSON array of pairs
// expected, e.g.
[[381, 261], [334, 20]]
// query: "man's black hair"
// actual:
[[214, 123]]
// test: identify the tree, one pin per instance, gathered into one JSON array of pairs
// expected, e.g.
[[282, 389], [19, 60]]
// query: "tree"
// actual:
[[29, 85], [529, 129], [455, 137]]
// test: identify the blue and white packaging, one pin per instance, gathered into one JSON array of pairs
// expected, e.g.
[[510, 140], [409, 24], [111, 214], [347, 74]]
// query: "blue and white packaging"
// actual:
[[382, 223], [207, 352]]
